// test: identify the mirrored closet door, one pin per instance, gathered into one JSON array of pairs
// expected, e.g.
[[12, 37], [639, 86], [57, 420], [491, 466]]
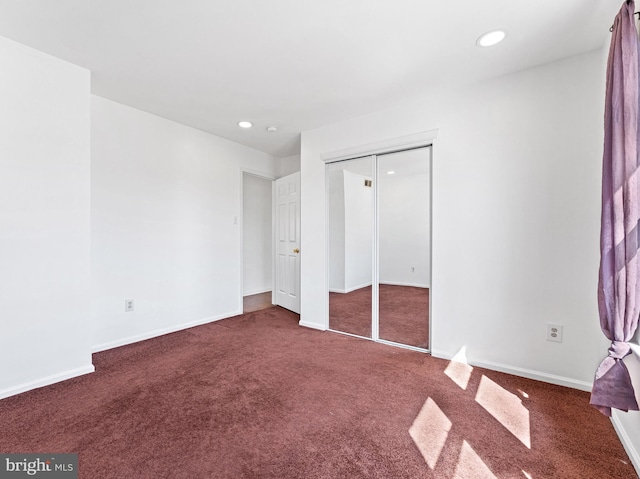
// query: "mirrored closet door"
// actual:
[[404, 247], [379, 235], [350, 204]]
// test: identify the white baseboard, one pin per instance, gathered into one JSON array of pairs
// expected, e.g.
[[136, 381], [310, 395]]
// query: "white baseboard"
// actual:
[[349, 290], [390, 283], [257, 291], [46, 381], [312, 325], [160, 332], [525, 373], [632, 452], [400, 283], [358, 286]]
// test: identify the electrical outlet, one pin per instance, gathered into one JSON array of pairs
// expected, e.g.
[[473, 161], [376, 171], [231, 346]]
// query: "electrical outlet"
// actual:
[[128, 305], [413, 269], [554, 332]]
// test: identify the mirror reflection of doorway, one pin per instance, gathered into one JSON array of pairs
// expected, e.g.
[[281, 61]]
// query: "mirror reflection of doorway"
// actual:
[[380, 247]]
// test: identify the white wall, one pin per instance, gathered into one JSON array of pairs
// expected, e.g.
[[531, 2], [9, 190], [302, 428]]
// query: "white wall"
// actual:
[[165, 202], [516, 205], [404, 224], [288, 165], [257, 235], [44, 219], [350, 241], [358, 227]]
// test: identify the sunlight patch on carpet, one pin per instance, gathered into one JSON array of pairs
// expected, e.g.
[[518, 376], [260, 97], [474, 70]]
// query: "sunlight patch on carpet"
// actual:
[[429, 431], [459, 370], [470, 466], [506, 408]]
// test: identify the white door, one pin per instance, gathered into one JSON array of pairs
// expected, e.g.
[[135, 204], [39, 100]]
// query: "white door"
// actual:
[[287, 291]]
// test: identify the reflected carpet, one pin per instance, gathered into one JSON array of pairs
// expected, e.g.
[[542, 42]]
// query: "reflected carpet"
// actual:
[[404, 313]]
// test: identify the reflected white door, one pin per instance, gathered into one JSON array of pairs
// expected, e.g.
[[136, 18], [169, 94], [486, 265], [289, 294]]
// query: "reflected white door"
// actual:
[[288, 242]]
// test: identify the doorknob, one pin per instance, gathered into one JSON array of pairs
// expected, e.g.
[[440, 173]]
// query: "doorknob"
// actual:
[[296, 250]]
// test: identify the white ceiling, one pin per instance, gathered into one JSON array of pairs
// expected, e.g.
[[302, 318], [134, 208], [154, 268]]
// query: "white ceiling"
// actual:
[[298, 64]]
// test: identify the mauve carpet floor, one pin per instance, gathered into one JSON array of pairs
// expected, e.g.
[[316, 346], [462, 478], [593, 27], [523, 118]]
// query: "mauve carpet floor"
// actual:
[[403, 313], [257, 396]]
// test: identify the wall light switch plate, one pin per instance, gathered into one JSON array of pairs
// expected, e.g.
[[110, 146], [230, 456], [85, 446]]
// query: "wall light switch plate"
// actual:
[[554, 332]]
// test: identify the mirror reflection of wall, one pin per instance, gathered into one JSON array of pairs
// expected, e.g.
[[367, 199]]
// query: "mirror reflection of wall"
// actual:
[[350, 245], [400, 270], [404, 247]]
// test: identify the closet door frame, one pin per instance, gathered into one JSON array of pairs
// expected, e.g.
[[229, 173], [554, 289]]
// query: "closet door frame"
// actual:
[[425, 139]]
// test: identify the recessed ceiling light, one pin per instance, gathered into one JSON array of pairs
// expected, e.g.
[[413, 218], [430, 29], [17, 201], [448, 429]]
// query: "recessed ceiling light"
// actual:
[[391, 172], [245, 124], [491, 38], [272, 128]]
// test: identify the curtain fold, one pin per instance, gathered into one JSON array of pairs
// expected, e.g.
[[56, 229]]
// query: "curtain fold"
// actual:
[[619, 275]]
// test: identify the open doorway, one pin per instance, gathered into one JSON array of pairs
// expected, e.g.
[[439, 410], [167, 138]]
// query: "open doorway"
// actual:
[[257, 242]]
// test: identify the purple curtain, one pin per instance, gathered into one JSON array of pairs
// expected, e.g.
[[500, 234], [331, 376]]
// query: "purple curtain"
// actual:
[[619, 278]]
